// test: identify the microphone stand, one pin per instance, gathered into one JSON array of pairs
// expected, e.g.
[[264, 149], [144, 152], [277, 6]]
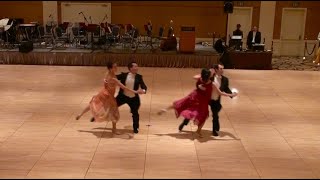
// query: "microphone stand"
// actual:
[[85, 19], [105, 16]]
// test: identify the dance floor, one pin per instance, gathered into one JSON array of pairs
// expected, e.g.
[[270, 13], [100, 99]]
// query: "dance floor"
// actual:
[[271, 130]]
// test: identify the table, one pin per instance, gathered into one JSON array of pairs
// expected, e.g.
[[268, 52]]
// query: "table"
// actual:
[[250, 60]]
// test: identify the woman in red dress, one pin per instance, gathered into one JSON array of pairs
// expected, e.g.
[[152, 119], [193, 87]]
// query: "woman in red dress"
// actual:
[[195, 105], [104, 105]]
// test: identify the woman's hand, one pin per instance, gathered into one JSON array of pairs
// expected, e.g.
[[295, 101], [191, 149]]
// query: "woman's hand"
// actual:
[[202, 87]]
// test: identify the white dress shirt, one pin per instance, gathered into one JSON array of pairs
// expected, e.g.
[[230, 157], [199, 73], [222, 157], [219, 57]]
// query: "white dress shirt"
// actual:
[[254, 36], [130, 85], [217, 81]]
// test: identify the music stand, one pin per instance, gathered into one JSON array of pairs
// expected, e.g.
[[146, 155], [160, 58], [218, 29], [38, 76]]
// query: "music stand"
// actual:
[[237, 42], [258, 47], [148, 36], [92, 28]]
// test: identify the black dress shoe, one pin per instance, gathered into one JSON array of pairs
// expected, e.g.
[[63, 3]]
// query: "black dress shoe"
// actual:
[[136, 131], [92, 119], [214, 133]]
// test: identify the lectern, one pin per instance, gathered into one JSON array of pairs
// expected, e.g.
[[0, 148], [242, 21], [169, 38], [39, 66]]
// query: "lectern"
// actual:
[[187, 40]]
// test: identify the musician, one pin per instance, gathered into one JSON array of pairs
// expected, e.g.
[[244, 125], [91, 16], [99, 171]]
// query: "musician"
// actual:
[[170, 31], [219, 45], [222, 49], [238, 32], [254, 37], [237, 43], [149, 30]]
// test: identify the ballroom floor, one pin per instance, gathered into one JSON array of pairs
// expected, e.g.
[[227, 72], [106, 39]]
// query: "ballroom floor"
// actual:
[[271, 130]]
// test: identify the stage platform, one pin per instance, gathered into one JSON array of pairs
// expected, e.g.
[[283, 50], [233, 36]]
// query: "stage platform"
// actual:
[[204, 56]]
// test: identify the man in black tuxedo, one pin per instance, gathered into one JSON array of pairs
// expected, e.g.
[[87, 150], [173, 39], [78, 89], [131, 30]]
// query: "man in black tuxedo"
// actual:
[[222, 49], [219, 45], [254, 37], [215, 102], [238, 32], [134, 81]]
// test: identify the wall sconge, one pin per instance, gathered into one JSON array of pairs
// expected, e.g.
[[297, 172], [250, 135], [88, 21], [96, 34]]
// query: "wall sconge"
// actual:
[[295, 3]]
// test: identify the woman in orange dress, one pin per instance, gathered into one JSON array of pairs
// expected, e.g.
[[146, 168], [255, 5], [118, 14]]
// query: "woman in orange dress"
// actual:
[[104, 106]]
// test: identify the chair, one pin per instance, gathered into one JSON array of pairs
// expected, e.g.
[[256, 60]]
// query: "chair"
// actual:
[[77, 36], [45, 37], [59, 37]]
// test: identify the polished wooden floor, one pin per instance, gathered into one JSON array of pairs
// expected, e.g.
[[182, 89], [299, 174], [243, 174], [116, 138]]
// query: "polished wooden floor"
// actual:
[[271, 130]]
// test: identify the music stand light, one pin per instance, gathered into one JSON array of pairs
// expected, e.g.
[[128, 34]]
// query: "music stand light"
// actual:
[[236, 38]]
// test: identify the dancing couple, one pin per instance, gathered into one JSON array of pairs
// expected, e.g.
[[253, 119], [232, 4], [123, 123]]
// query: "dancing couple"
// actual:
[[104, 106], [210, 86]]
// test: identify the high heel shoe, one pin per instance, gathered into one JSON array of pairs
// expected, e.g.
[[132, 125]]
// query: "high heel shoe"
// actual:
[[92, 119], [162, 111], [114, 131]]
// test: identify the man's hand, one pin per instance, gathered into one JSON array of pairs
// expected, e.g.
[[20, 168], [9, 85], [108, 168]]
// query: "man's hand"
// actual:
[[141, 91]]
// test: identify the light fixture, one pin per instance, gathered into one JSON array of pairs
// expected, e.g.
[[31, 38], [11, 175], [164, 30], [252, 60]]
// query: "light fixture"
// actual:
[[304, 58]]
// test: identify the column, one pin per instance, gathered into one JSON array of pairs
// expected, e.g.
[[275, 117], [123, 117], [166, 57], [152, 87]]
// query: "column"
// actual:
[[266, 22]]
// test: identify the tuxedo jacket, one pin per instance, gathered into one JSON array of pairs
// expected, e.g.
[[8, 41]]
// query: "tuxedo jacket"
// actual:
[[218, 46], [138, 82], [238, 32], [257, 38]]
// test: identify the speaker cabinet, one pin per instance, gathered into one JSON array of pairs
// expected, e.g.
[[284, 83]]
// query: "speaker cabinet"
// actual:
[[26, 46], [228, 6]]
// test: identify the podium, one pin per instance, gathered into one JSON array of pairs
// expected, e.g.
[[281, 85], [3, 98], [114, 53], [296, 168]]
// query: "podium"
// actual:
[[187, 40]]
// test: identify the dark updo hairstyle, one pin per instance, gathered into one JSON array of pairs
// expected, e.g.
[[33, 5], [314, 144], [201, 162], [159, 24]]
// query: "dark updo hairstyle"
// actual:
[[205, 75], [110, 65]]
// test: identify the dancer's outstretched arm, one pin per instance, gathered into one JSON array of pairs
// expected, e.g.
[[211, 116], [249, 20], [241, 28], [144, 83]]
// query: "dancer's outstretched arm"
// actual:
[[223, 93]]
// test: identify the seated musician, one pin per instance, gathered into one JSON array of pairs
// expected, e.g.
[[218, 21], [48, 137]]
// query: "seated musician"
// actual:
[[222, 49], [220, 46]]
